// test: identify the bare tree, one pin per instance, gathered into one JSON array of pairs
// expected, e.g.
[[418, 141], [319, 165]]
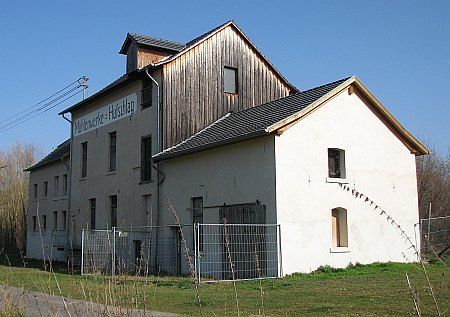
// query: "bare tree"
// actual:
[[14, 194], [433, 173]]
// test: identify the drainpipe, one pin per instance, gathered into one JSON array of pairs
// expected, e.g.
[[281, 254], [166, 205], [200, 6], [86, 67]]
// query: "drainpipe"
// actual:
[[157, 168], [69, 192]]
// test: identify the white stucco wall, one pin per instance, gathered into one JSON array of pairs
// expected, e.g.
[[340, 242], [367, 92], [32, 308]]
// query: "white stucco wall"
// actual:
[[234, 174], [377, 164]]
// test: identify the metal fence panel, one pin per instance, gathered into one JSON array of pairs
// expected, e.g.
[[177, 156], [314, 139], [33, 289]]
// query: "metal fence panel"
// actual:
[[435, 235], [238, 252]]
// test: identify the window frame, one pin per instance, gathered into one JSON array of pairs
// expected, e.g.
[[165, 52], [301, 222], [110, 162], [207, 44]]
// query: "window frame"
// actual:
[[92, 213], [198, 214], [84, 159], [64, 220], [45, 189], [113, 210], [55, 221], [44, 223], [112, 151], [336, 164], [149, 160], [65, 188], [236, 85], [56, 186], [34, 224], [35, 191], [339, 229]]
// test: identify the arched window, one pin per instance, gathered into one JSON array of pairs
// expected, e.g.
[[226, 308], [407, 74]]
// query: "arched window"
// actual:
[[339, 229]]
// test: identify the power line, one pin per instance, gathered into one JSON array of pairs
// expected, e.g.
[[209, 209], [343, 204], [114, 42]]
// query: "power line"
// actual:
[[27, 114], [44, 100], [39, 113]]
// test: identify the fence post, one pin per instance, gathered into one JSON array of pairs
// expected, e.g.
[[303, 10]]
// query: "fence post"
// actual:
[[195, 252], [198, 251], [280, 255], [113, 264], [82, 251]]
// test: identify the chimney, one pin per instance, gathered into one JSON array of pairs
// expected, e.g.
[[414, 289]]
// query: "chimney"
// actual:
[[143, 50]]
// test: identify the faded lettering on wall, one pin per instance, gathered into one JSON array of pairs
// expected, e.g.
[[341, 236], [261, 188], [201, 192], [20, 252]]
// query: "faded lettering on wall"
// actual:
[[119, 109]]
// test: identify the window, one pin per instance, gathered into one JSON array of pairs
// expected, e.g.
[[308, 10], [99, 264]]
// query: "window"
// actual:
[[197, 217], [84, 159], [230, 80], [146, 159], [44, 223], [55, 220], [56, 186], [339, 227], [113, 204], [92, 207], [64, 220], [45, 189], [336, 163], [112, 151], [34, 224], [64, 185], [35, 191], [146, 93]]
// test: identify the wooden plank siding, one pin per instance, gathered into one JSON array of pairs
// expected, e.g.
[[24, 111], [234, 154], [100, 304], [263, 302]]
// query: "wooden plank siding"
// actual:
[[194, 96]]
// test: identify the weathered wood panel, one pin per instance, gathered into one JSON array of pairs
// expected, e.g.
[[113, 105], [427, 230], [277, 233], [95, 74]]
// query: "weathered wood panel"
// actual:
[[194, 96]]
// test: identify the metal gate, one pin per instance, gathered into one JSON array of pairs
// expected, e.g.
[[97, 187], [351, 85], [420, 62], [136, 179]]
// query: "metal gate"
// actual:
[[237, 251]]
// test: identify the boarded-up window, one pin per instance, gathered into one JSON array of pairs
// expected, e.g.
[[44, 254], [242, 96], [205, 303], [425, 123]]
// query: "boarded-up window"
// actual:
[[230, 80], [339, 227]]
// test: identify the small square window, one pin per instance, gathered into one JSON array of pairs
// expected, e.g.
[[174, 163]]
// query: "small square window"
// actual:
[[336, 163], [230, 80]]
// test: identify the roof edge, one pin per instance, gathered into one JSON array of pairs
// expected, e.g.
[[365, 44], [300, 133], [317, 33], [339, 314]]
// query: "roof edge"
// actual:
[[415, 146]]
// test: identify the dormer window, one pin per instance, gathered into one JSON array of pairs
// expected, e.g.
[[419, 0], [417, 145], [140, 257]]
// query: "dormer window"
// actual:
[[230, 80], [336, 163]]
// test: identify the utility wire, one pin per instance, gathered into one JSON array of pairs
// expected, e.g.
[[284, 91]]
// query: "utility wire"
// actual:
[[27, 114], [39, 113], [42, 101]]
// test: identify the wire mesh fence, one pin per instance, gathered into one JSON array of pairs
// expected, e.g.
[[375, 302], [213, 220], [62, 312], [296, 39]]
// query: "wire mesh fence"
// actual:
[[435, 236], [237, 252], [220, 252], [139, 251]]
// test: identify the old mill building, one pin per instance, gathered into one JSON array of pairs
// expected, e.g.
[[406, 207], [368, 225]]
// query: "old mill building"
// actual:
[[212, 127]]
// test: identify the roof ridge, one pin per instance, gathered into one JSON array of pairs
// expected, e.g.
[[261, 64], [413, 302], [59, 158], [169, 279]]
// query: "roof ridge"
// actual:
[[294, 95], [156, 38], [321, 86]]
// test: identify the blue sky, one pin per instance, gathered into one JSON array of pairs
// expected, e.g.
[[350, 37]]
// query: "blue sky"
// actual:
[[399, 49]]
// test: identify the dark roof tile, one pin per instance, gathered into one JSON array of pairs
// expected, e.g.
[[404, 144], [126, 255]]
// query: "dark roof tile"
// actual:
[[248, 123], [60, 151]]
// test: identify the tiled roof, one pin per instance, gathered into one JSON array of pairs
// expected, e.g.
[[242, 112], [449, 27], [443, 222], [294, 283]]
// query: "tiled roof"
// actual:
[[60, 151], [152, 41], [249, 123]]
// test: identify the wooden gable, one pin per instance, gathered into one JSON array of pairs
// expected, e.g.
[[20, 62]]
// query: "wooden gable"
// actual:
[[193, 83]]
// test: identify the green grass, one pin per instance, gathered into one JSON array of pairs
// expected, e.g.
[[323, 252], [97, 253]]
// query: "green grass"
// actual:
[[378, 289]]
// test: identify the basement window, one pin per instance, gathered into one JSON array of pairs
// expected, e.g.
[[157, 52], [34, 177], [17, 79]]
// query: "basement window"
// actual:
[[339, 229], [230, 80], [336, 163]]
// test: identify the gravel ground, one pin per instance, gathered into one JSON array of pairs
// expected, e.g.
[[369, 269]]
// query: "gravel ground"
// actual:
[[37, 304]]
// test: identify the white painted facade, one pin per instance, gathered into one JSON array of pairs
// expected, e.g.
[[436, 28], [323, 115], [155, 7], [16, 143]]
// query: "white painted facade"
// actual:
[[288, 174]]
